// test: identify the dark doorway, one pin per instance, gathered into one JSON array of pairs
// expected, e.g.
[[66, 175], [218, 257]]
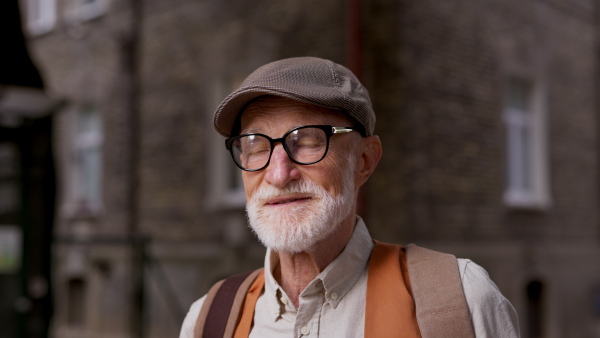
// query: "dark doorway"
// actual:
[[535, 309], [27, 188]]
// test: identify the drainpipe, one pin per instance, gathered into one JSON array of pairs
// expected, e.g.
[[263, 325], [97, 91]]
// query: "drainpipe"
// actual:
[[354, 63], [353, 37], [132, 58]]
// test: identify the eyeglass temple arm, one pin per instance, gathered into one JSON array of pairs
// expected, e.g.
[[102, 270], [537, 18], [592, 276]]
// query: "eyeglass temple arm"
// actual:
[[341, 130]]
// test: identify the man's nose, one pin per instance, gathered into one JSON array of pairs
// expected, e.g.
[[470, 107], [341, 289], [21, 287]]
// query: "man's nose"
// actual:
[[281, 169]]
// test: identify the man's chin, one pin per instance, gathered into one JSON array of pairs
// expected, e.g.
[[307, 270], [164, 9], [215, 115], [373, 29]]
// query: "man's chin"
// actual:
[[288, 234], [286, 243]]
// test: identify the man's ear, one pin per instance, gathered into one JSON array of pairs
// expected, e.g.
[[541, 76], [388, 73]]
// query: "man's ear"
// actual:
[[368, 158]]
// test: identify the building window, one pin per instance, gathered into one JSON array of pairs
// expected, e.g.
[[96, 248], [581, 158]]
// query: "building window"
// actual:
[[226, 179], [83, 10], [41, 16], [227, 189], [88, 159], [11, 239], [524, 117]]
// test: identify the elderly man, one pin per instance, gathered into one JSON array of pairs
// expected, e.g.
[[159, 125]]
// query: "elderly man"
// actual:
[[301, 130]]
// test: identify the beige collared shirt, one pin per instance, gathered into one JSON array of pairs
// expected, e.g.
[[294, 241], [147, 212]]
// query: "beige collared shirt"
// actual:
[[333, 304]]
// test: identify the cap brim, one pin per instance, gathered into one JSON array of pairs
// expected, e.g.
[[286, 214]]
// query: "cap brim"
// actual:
[[228, 111]]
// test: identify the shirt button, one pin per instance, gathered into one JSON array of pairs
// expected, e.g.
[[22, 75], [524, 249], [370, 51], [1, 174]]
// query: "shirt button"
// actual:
[[305, 330], [333, 296], [284, 300]]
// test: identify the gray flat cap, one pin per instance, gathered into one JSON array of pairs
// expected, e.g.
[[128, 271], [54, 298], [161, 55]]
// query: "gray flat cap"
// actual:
[[306, 79]]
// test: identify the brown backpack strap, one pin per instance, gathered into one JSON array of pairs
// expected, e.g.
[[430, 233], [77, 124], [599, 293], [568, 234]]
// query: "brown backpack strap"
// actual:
[[246, 318], [221, 308], [440, 300]]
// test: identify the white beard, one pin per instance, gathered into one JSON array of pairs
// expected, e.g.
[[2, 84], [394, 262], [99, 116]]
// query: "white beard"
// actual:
[[299, 227]]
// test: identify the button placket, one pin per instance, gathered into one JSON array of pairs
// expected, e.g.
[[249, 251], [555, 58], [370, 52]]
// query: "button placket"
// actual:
[[309, 311]]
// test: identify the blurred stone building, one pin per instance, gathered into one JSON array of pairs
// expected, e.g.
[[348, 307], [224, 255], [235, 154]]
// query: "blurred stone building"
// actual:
[[487, 111]]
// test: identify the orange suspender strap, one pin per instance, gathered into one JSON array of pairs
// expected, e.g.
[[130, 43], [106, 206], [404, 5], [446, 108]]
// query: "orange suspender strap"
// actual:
[[390, 309], [220, 311], [437, 290], [247, 316]]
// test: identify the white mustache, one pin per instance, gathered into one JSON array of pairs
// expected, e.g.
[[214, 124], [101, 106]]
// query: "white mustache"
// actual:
[[304, 188]]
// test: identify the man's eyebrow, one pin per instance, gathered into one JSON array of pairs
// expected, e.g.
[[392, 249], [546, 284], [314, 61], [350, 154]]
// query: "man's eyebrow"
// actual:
[[256, 130], [251, 131]]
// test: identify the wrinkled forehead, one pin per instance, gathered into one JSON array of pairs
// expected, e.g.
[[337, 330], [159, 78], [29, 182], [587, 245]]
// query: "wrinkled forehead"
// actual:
[[275, 109]]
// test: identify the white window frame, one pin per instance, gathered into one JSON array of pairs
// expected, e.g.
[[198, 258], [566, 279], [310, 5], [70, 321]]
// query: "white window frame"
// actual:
[[225, 178], [527, 182], [84, 10], [41, 16]]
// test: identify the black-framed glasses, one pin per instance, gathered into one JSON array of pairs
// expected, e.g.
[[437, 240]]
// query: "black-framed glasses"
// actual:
[[304, 145]]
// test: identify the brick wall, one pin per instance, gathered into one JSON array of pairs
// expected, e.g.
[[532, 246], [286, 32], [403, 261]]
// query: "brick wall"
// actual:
[[440, 118], [436, 72]]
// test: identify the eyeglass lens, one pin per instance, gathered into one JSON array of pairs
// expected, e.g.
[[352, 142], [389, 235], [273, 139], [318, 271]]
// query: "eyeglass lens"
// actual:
[[303, 145]]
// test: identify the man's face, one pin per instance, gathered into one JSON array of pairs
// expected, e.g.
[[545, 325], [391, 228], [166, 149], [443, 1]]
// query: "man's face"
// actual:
[[292, 207]]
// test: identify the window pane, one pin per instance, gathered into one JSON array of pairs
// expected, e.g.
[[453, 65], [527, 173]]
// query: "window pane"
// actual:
[[41, 15], [514, 157], [91, 164], [519, 124], [89, 157], [519, 94], [235, 177], [526, 153], [35, 10], [89, 121]]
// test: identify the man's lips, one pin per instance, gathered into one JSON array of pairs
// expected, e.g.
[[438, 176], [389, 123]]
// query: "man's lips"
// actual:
[[287, 200]]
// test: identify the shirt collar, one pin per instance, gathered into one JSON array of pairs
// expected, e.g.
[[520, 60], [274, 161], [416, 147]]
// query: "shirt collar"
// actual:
[[273, 292], [337, 278]]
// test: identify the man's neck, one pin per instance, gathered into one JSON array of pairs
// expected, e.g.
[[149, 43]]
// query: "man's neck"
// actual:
[[296, 271]]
